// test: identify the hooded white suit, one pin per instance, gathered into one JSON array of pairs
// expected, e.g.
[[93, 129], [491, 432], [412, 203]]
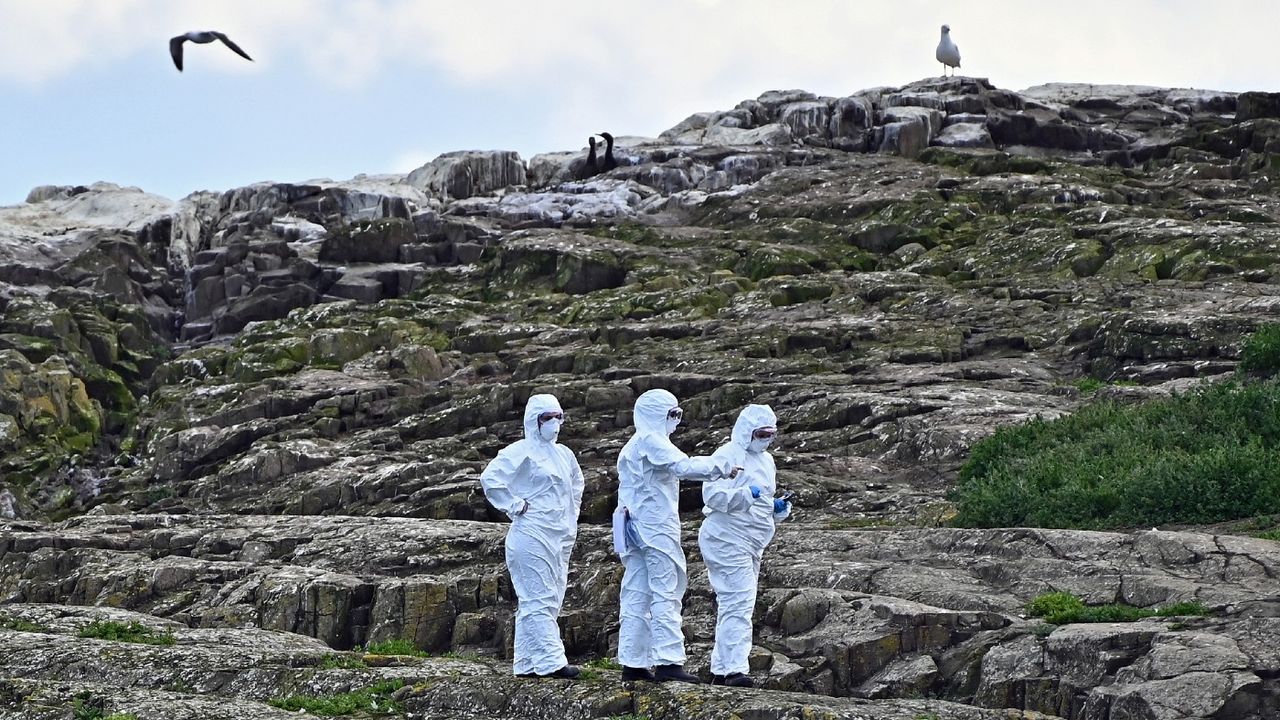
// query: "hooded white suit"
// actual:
[[734, 535], [546, 475], [648, 516]]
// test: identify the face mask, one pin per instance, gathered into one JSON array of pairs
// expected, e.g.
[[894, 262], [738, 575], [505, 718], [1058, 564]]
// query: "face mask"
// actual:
[[672, 424], [759, 444], [549, 429]]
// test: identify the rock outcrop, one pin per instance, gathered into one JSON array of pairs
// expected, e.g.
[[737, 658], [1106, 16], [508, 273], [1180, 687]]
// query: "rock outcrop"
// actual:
[[256, 418]]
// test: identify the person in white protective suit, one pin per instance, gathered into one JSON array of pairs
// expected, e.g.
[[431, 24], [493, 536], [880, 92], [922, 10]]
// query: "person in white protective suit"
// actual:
[[741, 513], [647, 537], [538, 484]]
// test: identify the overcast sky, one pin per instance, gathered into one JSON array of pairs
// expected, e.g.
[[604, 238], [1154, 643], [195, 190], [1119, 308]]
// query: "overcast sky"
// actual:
[[340, 87]]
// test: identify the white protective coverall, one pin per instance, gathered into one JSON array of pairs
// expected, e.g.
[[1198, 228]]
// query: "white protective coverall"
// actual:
[[546, 475], [734, 534], [653, 584]]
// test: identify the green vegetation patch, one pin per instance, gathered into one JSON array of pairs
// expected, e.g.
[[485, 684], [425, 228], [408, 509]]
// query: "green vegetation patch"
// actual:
[[1261, 352], [134, 632], [1207, 456], [373, 700], [395, 647], [1061, 608]]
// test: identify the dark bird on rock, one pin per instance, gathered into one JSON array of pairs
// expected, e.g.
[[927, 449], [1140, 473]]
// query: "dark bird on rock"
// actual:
[[201, 37], [609, 162], [592, 165]]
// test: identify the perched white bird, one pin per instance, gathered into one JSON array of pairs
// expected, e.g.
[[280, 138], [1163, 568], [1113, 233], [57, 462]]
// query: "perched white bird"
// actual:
[[201, 37], [948, 53]]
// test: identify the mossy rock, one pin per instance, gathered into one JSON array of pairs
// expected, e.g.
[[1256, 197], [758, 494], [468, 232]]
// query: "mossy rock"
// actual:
[[977, 162], [772, 260], [34, 349]]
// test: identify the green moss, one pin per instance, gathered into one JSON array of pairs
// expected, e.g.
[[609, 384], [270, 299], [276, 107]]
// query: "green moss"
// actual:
[[629, 232], [977, 162], [770, 260], [35, 349]]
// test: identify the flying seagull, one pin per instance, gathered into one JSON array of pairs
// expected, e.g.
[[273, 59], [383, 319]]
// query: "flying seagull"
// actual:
[[948, 53], [201, 37]]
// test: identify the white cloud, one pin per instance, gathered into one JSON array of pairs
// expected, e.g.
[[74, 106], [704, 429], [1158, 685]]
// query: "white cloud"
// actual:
[[674, 50]]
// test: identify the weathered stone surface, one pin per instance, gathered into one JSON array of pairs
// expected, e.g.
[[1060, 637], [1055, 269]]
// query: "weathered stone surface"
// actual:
[[311, 462], [460, 175]]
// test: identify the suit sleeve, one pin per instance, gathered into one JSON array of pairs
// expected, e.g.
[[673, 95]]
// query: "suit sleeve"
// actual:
[[577, 483], [497, 479], [725, 495]]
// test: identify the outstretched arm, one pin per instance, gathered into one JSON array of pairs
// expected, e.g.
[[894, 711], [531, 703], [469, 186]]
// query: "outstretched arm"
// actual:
[[702, 467]]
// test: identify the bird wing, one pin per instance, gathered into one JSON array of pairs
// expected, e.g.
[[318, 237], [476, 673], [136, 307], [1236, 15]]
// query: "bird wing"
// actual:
[[175, 50], [234, 47]]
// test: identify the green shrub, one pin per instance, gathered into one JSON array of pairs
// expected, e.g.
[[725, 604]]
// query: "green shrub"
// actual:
[[1261, 352], [1269, 535], [1061, 608], [373, 700], [134, 632], [1210, 455]]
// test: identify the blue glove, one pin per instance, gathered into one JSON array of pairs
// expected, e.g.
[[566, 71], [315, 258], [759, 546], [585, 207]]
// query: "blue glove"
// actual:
[[779, 505], [755, 491]]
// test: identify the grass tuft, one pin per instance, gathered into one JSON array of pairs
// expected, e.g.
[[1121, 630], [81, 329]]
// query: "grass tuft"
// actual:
[[133, 632], [395, 647], [374, 700], [604, 663]]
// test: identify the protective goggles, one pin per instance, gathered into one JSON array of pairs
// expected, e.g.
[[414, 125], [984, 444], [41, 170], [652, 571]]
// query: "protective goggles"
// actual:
[[765, 433], [544, 417], [675, 413]]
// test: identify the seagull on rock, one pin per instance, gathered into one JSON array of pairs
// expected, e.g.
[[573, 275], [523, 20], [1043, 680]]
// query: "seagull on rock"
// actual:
[[948, 53], [201, 37]]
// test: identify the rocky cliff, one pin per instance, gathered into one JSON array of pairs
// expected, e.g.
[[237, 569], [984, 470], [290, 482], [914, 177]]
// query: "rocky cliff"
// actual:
[[252, 422]]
